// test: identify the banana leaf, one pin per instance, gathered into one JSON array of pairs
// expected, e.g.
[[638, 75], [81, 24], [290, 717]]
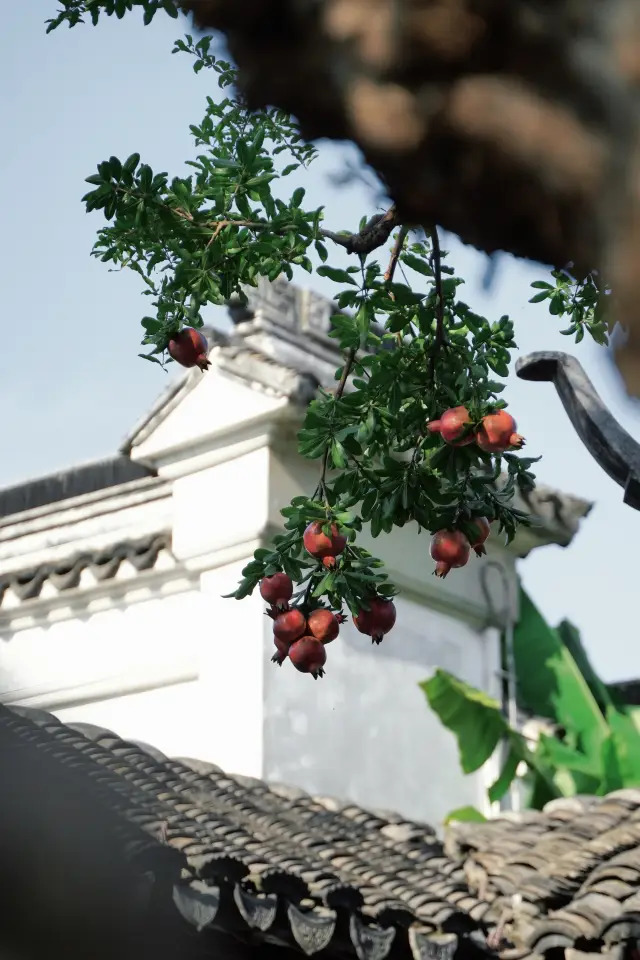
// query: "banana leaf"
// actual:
[[550, 683], [477, 722]]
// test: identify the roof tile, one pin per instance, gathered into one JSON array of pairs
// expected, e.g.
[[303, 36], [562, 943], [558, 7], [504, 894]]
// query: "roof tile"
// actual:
[[544, 880]]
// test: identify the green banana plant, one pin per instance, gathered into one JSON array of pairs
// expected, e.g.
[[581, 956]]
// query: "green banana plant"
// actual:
[[598, 748]]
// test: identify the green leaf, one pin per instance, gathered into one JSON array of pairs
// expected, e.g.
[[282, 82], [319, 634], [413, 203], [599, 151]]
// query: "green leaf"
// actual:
[[298, 197], [557, 305], [418, 264], [170, 8], [149, 356], [559, 755], [338, 276], [473, 717], [465, 815], [321, 250], [498, 789], [550, 682], [626, 743]]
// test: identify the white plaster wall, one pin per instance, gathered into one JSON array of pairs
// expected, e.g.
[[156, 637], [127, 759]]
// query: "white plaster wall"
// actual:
[[169, 718], [365, 731], [231, 672], [116, 650], [220, 506], [183, 673]]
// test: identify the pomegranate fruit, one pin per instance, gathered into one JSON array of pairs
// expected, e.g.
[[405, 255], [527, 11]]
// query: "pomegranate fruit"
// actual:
[[282, 651], [378, 620], [452, 426], [482, 529], [189, 348], [290, 626], [497, 433], [321, 546], [277, 590], [449, 548], [308, 655], [323, 625]]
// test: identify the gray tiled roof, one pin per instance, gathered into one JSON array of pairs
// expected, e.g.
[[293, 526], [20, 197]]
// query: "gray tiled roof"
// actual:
[[270, 863]]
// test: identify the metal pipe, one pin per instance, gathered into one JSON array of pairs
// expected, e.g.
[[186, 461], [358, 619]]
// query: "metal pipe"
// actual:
[[503, 619]]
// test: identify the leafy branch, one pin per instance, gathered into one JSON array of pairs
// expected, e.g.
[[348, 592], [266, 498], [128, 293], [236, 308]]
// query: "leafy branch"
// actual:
[[412, 349]]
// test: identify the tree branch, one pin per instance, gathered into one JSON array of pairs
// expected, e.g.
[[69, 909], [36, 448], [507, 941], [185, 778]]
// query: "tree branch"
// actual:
[[346, 370], [436, 265], [395, 255], [374, 234]]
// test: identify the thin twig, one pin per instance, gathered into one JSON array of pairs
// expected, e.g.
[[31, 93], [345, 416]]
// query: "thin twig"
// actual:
[[346, 370], [393, 263], [395, 255]]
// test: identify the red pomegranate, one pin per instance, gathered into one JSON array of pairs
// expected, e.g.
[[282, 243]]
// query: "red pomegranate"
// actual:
[[323, 625], [277, 590], [289, 626], [482, 529], [378, 620], [189, 348], [449, 548], [452, 425], [308, 655], [319, 545], [497, 433], [282, 651]]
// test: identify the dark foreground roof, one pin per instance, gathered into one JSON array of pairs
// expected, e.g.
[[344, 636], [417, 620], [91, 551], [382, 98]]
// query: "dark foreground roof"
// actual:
[[210, 855]]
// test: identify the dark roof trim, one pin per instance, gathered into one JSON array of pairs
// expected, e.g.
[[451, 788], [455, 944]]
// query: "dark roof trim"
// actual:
[[88, 478]]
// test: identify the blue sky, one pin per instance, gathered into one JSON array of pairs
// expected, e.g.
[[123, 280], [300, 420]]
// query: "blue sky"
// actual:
[[71, 383]]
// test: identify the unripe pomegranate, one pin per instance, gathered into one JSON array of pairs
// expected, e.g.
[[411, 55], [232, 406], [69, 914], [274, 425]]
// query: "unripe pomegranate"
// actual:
[[189, 348], [323, 625], [449, 548], [308, 655], [319, 545], [277, 590], [290, 626], [482, 529], [378, 620], [452, 425]]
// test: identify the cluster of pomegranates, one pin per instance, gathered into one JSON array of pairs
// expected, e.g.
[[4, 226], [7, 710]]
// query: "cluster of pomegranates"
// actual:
[[495, 433], [303, 637], [189, 348]]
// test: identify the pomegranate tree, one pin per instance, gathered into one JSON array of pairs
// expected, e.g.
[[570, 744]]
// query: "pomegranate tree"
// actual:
[[413, 433]]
